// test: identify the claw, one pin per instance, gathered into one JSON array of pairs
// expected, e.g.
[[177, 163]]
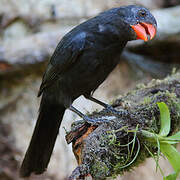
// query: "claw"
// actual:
[[94, 121], [115, 112]]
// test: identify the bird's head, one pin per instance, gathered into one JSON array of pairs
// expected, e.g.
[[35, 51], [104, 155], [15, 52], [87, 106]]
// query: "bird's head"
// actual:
[[141, 23]]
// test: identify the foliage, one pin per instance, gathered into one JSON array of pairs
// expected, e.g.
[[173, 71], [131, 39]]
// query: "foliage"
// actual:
[[164, 142]]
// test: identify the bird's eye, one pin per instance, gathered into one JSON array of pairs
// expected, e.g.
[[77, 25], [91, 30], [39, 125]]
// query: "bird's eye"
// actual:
[[142, 13]]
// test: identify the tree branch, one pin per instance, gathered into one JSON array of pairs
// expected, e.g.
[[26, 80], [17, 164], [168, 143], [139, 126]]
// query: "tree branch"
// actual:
[[110, 148]]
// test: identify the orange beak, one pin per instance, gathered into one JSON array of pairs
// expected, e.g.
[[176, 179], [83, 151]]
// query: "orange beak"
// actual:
[[142, 31]]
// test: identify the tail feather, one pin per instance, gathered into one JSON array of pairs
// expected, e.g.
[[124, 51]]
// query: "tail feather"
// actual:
[[42, 142]]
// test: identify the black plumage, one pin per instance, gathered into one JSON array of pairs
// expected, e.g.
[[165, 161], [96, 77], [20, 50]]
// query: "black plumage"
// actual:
[[81, 62]]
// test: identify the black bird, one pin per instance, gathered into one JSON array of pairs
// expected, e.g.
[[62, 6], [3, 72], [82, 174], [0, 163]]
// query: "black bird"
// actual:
[[81, 62]]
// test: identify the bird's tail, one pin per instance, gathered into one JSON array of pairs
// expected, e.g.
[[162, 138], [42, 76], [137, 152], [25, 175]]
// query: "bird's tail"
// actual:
[[42, 142]]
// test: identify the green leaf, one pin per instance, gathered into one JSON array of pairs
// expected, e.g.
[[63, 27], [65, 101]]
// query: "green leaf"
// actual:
[[164, 143], [175, 137], [171, 177], [172, 155], [164, 118], [169, 142]]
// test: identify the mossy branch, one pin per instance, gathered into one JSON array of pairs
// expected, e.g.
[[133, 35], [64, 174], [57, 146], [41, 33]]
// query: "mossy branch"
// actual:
[[110, 148]]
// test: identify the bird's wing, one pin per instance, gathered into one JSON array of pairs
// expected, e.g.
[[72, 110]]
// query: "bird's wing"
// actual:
[[67, 52]]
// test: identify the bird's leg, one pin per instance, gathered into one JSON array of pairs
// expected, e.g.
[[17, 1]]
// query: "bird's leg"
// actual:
[[98, 101], [107, 106], [85, 117]]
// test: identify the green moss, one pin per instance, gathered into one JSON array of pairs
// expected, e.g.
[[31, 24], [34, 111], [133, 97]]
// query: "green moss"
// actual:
[[99, 169], [147, 100]]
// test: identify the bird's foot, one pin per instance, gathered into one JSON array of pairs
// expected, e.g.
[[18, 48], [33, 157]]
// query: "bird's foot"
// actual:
[[112, 110], [108, 107], [94, 121]]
